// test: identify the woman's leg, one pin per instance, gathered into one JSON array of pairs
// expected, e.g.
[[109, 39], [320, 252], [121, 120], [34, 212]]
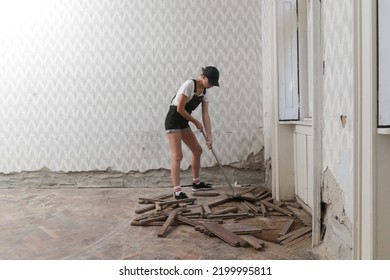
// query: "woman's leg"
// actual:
[[190, 140], [176, 157]]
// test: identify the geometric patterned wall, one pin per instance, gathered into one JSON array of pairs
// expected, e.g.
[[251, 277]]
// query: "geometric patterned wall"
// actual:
[[339, 93], [267, 83], [85, 84]]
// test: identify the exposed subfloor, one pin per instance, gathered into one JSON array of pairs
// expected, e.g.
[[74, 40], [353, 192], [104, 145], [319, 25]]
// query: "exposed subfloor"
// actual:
[[95, 223]]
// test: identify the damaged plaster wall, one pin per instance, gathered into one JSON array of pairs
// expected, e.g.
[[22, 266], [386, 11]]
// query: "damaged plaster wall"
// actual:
[[339, 95], [338, 125], [336, 225]]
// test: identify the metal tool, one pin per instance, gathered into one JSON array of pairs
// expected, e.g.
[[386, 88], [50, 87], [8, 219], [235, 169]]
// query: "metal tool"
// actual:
[[219, 163]]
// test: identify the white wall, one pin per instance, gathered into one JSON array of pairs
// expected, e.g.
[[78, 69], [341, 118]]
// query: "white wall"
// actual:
[[86, 84], [339, 95]]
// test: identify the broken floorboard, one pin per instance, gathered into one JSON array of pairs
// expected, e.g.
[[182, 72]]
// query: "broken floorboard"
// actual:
[[225, 234], [251, 217]]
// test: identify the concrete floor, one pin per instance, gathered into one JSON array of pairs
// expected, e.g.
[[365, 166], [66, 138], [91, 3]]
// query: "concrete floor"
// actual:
[[59, 223]]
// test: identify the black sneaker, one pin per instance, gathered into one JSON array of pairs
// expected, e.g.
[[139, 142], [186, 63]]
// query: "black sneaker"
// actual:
[[201, 187], [181, 196]]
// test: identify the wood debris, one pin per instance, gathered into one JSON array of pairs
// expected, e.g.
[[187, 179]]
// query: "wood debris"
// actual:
[[205, 194], [168, 222], [225, 234], [286, 227], [250, 218], [254, 241]]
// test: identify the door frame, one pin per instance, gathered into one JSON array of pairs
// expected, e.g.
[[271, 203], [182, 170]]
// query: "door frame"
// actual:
[[365, 210], [318, 108], [282, 132]]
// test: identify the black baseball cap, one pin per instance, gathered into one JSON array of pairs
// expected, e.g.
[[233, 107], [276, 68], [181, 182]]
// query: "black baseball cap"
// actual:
[[212, 74]]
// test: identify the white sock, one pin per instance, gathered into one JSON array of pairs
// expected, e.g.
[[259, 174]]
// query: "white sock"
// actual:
[[196, 181], [177, 190]]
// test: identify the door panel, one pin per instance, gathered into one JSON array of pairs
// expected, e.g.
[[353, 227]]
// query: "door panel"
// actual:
[[303, 163]]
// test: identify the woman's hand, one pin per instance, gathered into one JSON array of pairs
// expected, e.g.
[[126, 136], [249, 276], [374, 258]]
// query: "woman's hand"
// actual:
[[198, 125], [209, 143]]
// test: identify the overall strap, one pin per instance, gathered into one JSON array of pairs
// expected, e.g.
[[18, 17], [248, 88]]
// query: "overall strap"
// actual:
[[204, 90], [194, 85]]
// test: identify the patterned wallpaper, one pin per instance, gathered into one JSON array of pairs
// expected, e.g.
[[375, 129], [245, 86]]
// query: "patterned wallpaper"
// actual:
[[85, 84], [338, 92], [267, 25]]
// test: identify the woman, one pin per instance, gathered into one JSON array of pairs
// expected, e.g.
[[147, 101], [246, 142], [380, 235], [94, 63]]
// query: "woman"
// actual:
[[189, 96]]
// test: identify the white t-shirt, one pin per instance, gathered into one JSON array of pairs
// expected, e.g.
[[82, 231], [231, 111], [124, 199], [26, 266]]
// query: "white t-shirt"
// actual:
[[187, 89]]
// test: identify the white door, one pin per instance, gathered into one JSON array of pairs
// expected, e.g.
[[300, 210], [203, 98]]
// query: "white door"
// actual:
[[287, 60], [303, 164]]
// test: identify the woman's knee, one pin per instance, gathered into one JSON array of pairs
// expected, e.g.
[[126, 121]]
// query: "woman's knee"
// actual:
[[177, 157], [198, 151]]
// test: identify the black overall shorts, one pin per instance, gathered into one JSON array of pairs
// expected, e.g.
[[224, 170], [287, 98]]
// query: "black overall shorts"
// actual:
[[174, 121]]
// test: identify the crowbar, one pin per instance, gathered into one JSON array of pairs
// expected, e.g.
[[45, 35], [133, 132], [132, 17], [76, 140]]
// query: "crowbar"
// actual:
[[219, 163]]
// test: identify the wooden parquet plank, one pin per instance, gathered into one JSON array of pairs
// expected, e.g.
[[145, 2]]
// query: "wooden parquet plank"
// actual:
[[293, 235], [167, 223], [224, 234], [279, 209], [286, 227], [253, 241]]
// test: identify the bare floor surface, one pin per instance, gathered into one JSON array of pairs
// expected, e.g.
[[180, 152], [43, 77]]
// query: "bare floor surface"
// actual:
[[95, 223]]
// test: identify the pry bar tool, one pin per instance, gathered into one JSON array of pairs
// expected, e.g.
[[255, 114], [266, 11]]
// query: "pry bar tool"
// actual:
[[219, 163]]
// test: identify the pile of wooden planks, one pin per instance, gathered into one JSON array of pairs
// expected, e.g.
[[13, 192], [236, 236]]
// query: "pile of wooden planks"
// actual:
[[249, 218]]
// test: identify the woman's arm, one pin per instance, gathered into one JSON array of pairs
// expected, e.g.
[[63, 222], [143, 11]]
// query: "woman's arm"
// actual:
[[207, 123], [182, 111]]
